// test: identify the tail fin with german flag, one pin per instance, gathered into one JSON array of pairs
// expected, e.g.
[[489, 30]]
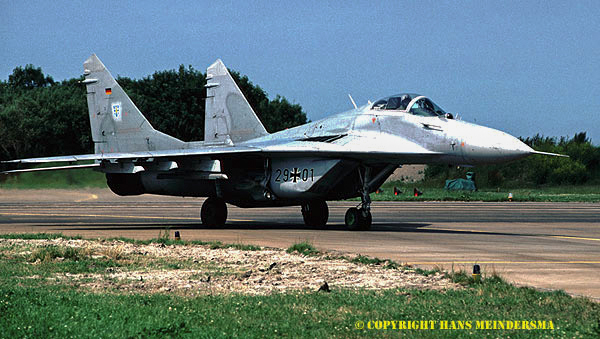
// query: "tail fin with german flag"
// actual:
[[117, 124]]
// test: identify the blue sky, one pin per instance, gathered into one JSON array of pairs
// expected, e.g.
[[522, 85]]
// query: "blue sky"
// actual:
[[524, 67]]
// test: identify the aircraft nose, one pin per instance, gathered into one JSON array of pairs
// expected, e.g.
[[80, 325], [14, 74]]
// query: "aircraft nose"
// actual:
[[515, 147], [492, 146]]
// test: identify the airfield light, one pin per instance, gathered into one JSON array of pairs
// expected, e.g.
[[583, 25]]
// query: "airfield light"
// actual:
[[476, 272], [510, 197], [177, 235]]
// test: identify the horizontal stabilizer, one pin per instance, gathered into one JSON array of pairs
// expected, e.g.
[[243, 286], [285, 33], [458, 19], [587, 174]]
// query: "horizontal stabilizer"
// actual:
[[55, 168], [207, 151]]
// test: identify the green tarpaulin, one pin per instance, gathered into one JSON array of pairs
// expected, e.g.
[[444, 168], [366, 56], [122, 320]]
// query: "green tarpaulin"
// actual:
[[460, 185]]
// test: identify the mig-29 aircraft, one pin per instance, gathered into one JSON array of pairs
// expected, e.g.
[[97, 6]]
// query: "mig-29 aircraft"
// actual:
[[343, 156]]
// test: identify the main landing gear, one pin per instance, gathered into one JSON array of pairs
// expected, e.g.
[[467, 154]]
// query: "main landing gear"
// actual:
[[315, 213], [213, 212]]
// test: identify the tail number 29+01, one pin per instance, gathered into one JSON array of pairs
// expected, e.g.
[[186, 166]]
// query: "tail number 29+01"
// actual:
[[294, 175]]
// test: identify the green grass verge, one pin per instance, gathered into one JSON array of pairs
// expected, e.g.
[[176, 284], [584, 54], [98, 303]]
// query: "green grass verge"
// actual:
[[38, 236], [365, 260], [304, 248], [44, 311], [163, 238], [69, 179], [30, 307], [542, 194]]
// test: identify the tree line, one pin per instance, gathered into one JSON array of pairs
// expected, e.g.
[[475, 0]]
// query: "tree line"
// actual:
[[43, 117]]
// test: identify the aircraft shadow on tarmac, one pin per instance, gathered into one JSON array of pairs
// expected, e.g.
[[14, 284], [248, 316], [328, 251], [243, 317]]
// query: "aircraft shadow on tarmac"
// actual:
[[245, 225], [259, 225]]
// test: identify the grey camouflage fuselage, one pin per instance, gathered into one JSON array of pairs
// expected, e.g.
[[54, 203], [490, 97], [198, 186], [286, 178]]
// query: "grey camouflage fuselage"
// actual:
[[343, 156]]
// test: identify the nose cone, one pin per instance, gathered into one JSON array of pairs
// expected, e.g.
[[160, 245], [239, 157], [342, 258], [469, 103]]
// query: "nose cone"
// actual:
[[488, 145], [513, 147]]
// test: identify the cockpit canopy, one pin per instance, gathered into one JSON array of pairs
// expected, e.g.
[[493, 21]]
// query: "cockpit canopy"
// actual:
[[409, 102]]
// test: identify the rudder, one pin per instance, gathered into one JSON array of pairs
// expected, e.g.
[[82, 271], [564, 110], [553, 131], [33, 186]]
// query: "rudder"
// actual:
[[117, 124], [229, 118]]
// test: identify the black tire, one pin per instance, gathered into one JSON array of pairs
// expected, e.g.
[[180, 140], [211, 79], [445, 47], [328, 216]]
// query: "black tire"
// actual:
[[213, 212], [365, 220], [315, 214], [353, 219]]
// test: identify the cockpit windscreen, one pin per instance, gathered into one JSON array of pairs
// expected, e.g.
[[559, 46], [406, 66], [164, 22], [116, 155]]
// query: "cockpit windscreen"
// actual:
[[422, 106]]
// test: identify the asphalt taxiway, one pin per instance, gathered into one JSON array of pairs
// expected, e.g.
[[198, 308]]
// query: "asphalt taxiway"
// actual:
[[546, 245]]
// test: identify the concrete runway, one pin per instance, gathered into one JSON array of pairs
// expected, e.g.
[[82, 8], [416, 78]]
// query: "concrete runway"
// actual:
[[546, 245]]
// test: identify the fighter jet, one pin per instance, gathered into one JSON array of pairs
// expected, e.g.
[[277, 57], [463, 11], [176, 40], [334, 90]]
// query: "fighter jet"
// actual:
[[344, 156]]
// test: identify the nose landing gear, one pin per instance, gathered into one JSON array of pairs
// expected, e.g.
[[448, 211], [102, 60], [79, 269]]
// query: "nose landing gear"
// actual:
[[359, 218]]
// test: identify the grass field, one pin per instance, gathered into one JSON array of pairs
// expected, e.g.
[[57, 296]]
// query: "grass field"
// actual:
[[32, 304], [79, 178], [540, 194]]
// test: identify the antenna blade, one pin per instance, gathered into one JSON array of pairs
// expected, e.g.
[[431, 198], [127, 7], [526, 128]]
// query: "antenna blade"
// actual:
[[353, 103]]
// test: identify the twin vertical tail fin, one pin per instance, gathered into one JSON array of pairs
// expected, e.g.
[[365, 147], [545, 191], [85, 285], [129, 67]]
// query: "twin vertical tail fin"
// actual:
[[117, 124], [228, 116]]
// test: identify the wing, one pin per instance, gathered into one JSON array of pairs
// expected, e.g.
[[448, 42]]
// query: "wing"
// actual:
[[129, 157], [364, 148], [336, 151]]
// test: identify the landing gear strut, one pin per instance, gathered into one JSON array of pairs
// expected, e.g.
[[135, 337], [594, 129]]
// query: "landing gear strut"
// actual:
[[315, 213], [359, 218], [213, 212]]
